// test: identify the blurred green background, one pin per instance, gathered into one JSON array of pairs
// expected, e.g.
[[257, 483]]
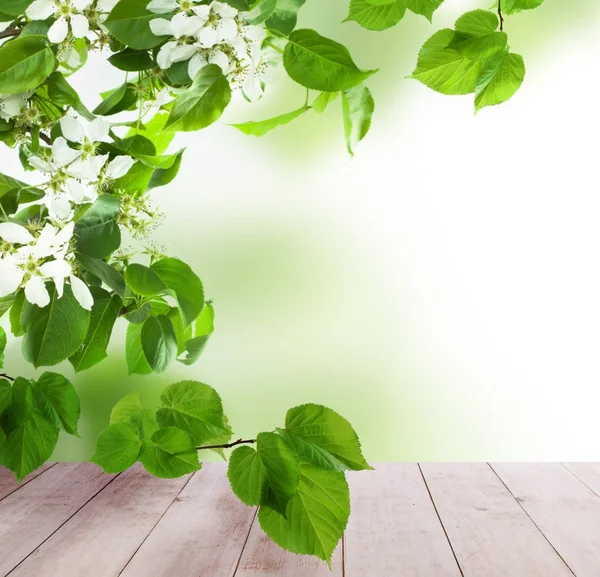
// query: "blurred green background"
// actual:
[[430, 290]]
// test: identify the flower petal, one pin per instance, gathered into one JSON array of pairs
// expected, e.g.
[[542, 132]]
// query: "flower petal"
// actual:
[[119, 166], [183, 52], [40, 9], [252, 87], [227, 29], [60, 206], [11, 277], [163, 58], [81, 4], [221, 60], [162, 6], [98, 129], [58, 31], [82, 293], [58, 271], [202, 12], [64, 236], [72, 129], [197, 63], [207, 37], [39, 164], [62, 153], [224, 10], [15, 233], [36, 292], [106, 5], [79, 25], [254, 33], [161, 27], [76, 190]]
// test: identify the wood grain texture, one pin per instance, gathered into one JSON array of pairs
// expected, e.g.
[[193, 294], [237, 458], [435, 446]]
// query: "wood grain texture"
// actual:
[[105, 534], [564, 509], [394, 529], [490, 534], [263, 557], [9, 483], [33, 513], [587, 473], [201, 534]]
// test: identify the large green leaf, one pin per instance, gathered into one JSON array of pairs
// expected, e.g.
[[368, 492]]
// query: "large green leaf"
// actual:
[[130, 410], [424, 7], [143, 281], [98, 234], [320, 63], [323, 427], [476, 37], [443, 69], [104, 315], [316, 515], [261, 127], [285, 16], [499, 80], [132, 60], [357, 108], [24, 64], [159, 342], [202, 103], [5, 395], [170, 453], [247, 475], [376, 17], [58, 401], [118, 447], [134, 353], [185, 285], [56, 331], [15, 7], [195, 408], [129, 23]]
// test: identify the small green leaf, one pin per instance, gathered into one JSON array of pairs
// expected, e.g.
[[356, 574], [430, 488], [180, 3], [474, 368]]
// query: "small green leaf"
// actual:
[[159, 342], [15, 315], [357, 108], [476, 37], [2, 347], [132, 60], [376, 17], [247, 475], [261, 127], [97, 232], [122, 98], [5, 304], [107, 273], [204, 328], [477, 23], [322, 101], [58, 401], [195, 408], [170, 453], [130, 410], [320, 63], [424, 7], [499, 80], [129, 23], [513, 6], [134, 353], [25, 63], [316, 515], [285, 16], [164, 176], [143, 281], [201, 104], [118, 448]]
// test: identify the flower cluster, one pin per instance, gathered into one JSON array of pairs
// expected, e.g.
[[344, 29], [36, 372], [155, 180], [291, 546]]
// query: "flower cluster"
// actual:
[[214, 33], [28, 261], [76, 173]]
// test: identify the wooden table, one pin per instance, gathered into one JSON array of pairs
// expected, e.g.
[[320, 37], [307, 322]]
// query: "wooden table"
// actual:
[[409, 520]]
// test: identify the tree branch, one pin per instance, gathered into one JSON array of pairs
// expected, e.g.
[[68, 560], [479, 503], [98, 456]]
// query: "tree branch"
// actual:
[[3, 376], [9, 32], [500, 15], [229, 445], [45, 138]]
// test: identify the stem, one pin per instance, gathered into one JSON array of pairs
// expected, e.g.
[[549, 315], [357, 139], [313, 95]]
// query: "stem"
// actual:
[[9, 32], [274, 46], [45, 138], [229, 445], [500, 15], [3, 376]]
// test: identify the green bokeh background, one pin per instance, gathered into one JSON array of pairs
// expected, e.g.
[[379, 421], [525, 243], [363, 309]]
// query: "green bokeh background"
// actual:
[[304, 310]]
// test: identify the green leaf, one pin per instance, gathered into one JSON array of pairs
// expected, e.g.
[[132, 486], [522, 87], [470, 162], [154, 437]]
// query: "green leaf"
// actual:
[[499, 80], [285, 17], [2, 349], [164, 176], [5, 304], [14, 192], [477, 23], [170, 453], [512, 6], [261, 127], [15, 7], [185, 285], [5, 395], [122, 98], [104, 315], [25, 63], [262, 10], [374, 17], [156, 132], [247, 475], [319, 63], [312, 454], [15, 315], [58, 401], [134, 353], [443, 69], [132, 60], [204, 328], [97, 232], [182, 333], [107, 273], [29, 445], [476, 37], [129, 23], [136, 180], [322, 101], [316, 515], [143, 281], [130, 410], [201, 104], [118, 448], [357, 108], [56, 331], [329, 431], [424, 7], [195, 408], [159, 342]]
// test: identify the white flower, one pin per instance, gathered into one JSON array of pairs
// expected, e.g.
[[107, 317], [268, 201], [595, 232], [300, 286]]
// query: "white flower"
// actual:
[[167, 6], [68, 17], [11, 105], [151, 107]]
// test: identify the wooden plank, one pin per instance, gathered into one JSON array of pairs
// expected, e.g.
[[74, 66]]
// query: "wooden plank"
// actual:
[[565, 510], [9, 483], [201, 534], [587, 473], [489, 532], [116, 522], [263, 557], [394, 529], [30, 515]]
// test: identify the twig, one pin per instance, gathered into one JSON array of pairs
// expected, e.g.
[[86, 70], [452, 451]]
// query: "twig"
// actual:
[[229, 445], [9, 32], [500, 15], [3, 376], [45, 138]]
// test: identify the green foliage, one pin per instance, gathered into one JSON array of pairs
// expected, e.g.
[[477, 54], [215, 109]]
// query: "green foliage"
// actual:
[[132, 60], [500, 78], [513, 6], [24, 64], [376, 17], [170, 453], [118, 447], [358, 106], [159, 342], [3, 342], [424, 7], [319, 63], [262, 127], [129, 23], [98, 234]]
